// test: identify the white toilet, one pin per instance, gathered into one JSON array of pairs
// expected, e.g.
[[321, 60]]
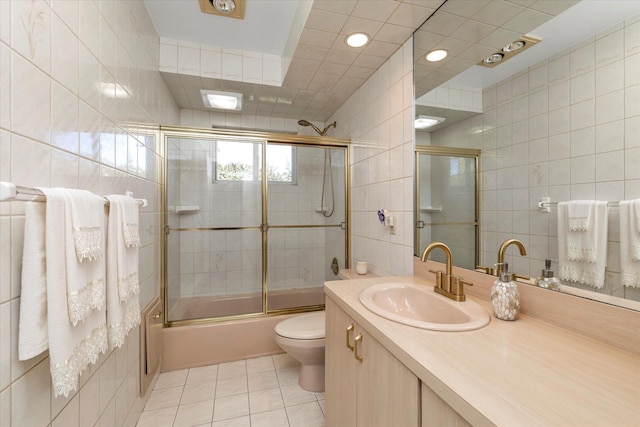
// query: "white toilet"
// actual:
[[302, 337]]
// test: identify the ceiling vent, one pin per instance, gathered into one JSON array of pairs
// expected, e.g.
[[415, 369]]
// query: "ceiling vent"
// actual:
[[509, 51], [230, 8]]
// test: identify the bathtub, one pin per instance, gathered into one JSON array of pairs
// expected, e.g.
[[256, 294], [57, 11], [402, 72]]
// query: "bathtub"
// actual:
[[189, 346]]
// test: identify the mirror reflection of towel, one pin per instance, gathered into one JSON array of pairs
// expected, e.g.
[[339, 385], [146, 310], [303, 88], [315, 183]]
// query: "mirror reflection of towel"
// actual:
[[582, 255], [630, 242]]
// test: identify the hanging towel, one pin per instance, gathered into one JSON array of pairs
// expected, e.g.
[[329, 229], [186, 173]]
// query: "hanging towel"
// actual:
[[87, 217], [590, 273], [33, 336], [582, 238], [579, 214], [129, 211], [71, 347], [86, 276], [630, 243], [123, 307]]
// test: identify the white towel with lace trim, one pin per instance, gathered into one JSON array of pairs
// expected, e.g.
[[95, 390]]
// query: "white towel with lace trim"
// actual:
[[579, 214], [630, 243], [591, 272], [33, 335], [87, 218], [86, 276], [71, 347], [123, 307], [129, 210], [582, 236]]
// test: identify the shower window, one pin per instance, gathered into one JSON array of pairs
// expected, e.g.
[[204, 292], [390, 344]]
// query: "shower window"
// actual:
[[233, 161]]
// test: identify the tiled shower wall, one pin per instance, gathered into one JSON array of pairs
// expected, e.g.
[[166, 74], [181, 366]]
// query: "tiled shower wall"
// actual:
[[379, 120], [80, 101], [566, 128], [229, 262]]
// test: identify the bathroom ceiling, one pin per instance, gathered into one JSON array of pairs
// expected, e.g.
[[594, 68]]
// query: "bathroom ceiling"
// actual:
[[324, 71]]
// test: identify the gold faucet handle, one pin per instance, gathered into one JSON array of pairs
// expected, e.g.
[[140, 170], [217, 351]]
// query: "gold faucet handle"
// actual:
[[517, 276], [439, 276], [487, 270]]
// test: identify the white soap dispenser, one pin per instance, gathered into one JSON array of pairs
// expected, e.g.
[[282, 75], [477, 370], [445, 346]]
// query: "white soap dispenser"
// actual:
[[547, 280], [505, 297]]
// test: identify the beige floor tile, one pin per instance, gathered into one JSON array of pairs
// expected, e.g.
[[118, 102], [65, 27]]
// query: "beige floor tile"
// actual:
[[202, 374], [260, 364], [171, 379], [283, 360], [198, 392], [232, 369], [288, 376], [231, 407], [194, 414], [234, 422], [164, 398], [276, 418], [158, 418], [305, 415], [265, 400], [293, 394], [263, 380], [231, 386]]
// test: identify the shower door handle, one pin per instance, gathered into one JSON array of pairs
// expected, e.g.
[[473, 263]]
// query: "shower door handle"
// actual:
[[419, 224]]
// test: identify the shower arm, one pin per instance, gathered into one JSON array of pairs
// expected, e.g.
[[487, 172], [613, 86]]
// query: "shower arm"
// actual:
[[320, 132]]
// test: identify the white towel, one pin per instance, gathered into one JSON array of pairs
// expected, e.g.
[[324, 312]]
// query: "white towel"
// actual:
[[629, 243], [86, 276], [87, 218], [588, 273], [33, 336], [130, 221], [582, 237], [71, 348], [123, 307]]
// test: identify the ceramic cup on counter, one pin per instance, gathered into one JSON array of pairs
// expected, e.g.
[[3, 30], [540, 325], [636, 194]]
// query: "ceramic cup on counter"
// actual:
[[361, 267]]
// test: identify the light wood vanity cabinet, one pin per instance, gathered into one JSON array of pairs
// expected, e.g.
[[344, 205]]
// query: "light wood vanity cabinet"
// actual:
[[377, 391]]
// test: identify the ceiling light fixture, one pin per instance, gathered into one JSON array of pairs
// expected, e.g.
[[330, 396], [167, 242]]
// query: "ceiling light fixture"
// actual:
[[424, 122], [224, 6], [436, 55], [222, 100], [510, 50], [227, 8], [357, 39]]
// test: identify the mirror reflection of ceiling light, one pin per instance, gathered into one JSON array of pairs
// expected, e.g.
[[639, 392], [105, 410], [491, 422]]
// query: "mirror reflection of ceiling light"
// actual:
[[224, 6], [357, 39], [424, 122], [113, 90], [222, 100], [436, 55], [509, 51]]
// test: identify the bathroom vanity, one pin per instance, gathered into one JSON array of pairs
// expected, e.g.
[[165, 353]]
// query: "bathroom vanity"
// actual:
[[523, 373]]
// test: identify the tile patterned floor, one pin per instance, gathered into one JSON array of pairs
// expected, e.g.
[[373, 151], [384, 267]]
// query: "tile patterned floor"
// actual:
[[260, 392]]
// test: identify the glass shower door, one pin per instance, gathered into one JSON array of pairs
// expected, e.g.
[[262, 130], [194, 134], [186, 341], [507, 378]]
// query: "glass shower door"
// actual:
[[307, 217], [214, 238], [446, 204]]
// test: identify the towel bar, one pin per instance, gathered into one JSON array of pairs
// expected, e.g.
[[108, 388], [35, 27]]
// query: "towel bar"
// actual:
[[11, 192], [545, 204]]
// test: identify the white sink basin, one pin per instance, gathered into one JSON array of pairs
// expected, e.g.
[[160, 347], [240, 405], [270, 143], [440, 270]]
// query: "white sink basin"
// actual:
[[420, 306]]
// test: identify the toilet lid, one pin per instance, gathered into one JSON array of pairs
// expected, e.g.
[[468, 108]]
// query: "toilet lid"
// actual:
[[304, 327]]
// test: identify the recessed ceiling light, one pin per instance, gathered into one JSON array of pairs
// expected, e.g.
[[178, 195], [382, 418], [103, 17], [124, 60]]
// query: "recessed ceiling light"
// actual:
[[222, 100], [423, 122], [513, 46], [224, 6], [436, 55], [492, 59], [357, 39]]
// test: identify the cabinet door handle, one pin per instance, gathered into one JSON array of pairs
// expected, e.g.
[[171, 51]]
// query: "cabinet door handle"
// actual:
[[356, 341], [349, 330]]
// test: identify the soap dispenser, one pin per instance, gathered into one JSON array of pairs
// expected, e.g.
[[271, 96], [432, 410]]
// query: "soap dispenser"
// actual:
[[505, 297], [547, 280]]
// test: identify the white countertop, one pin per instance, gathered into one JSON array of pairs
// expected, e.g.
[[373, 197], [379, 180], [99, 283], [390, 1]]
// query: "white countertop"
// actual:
[[521, 373]]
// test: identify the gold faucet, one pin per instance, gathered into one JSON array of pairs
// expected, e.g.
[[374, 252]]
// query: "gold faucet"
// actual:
[[446, 284], [503, 249]]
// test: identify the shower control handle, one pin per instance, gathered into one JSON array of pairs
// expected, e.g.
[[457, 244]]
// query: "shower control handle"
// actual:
[[350, 329]]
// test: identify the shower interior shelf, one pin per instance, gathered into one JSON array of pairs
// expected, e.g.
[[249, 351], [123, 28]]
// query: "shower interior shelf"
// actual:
[[185, 209], [431, 209]]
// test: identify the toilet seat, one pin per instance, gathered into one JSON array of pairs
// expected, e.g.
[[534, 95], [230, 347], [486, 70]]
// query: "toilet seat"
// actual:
[[304, 327]]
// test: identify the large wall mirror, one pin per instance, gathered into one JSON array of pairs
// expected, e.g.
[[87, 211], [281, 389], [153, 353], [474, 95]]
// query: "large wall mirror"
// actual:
[[557, 118]]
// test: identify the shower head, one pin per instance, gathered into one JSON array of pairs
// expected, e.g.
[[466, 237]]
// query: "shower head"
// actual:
[[320, 132]]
